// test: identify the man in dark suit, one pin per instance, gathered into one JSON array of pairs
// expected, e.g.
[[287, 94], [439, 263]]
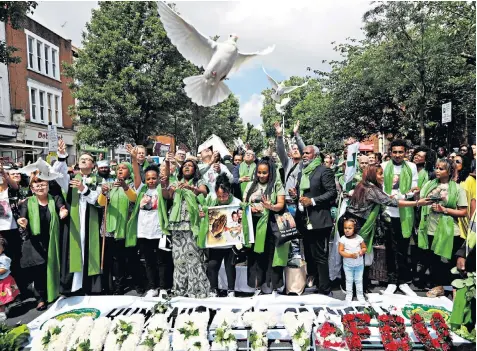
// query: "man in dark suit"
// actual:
[[316, 191]]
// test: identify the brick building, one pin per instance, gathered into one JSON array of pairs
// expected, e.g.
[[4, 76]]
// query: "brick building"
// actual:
[[38, 91]]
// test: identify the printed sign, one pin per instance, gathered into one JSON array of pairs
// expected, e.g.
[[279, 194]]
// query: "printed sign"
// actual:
[[447, 112], [52, 138], [225, 226]]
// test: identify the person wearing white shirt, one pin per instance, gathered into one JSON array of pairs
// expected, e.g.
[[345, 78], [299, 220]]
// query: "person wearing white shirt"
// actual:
[[400, 182], [212, 168]]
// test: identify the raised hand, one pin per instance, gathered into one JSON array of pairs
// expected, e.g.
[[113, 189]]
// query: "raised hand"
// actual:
[[63, 213], [77, 183], [22, 222], [266, 202], [61, 147], [295, 128], [132, 151], [278, 128]]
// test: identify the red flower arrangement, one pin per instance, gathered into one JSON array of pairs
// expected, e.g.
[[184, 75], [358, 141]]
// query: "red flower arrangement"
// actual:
[[443, 342], [356, 329], [328, 335], [393, 333]]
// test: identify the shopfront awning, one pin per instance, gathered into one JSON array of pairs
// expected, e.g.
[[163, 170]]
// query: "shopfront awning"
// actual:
[[365, 147], [20, 146]]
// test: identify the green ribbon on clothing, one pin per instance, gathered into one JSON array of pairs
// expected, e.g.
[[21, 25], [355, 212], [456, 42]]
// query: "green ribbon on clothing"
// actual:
[[76, 264], [53, 260], [423, 178], [118, 210], [406, 214], [443, 242], [280, 257], [461, 309], [131, 228], [192, 207], [369, 228], [244, 171], [305, 175]]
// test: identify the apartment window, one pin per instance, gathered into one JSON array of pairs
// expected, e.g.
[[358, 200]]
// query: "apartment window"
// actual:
[[42, 106], [50, 110], [43, 56], [33, 103], [31, 55], [47, 61], [39, 55], [57, 110], [53, 62]]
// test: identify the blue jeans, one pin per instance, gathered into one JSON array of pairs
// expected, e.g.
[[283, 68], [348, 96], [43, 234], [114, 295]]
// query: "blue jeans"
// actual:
[[354, 275]]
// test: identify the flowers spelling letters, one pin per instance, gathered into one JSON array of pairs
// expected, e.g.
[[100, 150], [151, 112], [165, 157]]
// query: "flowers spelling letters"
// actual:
[[299, 327], [443, 342], [259, 323], [224, 339], [329, 336], [393, 333], [356, 329]]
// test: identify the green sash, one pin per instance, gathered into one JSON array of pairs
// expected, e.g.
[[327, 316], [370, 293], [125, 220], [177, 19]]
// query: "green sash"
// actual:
[[53, 261], [245, 170], [368, 229], [131, 227], [423, 178], [406, 214], [118, 210], [192, 207], [145, 165], [280, 257], [75, 236], [444, 235], [305, 176]]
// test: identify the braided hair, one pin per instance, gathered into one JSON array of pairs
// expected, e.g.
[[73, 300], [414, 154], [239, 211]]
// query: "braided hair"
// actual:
[[272, 176]]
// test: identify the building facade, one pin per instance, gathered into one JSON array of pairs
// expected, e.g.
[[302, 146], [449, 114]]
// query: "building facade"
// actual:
[[38, 91]]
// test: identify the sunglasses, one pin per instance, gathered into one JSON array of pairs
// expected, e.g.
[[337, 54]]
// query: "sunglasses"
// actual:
[[463, 150], [458, 162]]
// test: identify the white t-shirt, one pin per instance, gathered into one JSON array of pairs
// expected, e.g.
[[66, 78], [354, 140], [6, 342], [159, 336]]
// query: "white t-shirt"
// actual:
[[7, 221], [394, 211], [148, 226], [352, 246], [210, 177]]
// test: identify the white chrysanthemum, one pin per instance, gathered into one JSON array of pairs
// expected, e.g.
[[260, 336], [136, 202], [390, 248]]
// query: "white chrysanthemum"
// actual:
[[99, 333], [81, 333]]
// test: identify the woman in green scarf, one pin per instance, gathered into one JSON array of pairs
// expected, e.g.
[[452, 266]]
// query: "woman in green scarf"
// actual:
[[439, 232], [265, 194], [40, 216], [190, 278], [120, 198]]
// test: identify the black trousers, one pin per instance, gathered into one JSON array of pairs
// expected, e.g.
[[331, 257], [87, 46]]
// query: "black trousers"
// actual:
[[260, 268], [159, 266], [316, 241], [114, 271], [216, 256], [439, 270], [396, 253], [37, 276]]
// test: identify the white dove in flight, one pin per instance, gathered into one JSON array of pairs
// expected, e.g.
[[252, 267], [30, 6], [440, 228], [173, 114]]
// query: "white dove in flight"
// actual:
[[46, 172], [280, 106], [281, 89], [218, 59]]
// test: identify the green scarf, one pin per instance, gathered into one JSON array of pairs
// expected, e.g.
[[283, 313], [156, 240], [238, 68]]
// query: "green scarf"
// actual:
[[305, 176], [145, 165], [280, 257], [118, 210], [131, 227], [423, 178], [246, 170], [461, 309], [53, 261], [368, 229], [444, 235], [75, 236], [192, 207], [406, 214]]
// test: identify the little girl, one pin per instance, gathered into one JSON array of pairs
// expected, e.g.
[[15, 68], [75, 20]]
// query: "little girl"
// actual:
[[352, 248], [8, 287]]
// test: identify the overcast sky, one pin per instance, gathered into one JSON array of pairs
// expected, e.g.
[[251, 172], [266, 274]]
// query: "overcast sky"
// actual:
[[301, 30]]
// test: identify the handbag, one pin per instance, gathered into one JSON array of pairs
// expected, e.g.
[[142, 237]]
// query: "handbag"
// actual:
[[295, 279], [283, 227]]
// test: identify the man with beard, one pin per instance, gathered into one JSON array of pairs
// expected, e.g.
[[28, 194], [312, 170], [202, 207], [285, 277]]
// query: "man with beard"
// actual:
[[104, 171], [315, 191], [80, 266]]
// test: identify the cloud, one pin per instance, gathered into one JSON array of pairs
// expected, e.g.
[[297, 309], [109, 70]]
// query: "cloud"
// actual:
[[250, 109]]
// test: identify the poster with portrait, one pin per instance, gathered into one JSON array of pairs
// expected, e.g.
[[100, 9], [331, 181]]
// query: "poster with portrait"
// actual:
[[225, 226]]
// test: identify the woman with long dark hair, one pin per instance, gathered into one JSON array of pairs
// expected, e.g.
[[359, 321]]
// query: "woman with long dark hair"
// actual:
[[439, 232], [366, 204], [190, 278], [265, 195]]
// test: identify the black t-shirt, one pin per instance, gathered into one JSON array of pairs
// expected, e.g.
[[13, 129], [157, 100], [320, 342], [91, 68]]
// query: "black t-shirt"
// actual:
[[35, 247]]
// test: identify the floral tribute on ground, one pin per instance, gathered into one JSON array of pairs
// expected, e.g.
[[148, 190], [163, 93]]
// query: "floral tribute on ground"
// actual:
[[224, 339], [393, 333], [355, 328], [259, 322], [299, 326], [443, 341], [329, 336]]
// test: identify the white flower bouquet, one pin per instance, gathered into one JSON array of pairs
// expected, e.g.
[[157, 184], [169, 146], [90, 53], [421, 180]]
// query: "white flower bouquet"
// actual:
[[259, 322], [54, 335], [190, 332], [98, 334], [81, 334], [156, 335], [125, 333], [224, 339], [299, 326]]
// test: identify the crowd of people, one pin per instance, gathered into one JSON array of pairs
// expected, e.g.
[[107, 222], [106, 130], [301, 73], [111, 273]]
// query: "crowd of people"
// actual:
[[89, 230]]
